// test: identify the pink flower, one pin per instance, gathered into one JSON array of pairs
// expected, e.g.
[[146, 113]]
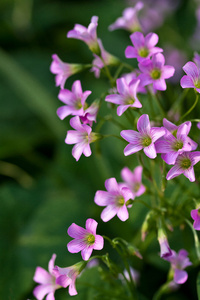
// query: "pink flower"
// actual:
[[184, 165], [127, 96], [144, 47], [47, 281], [114, 199], [144, 139], [129, 19], [82, 136], [74, 100], [175, 141], [90, 113], [165, 250], [103, 58], [155, 72], [63, 70], [196, 59], [192, 79], [195, 214], [129, 77], [67, 276], [85, 240], [133, 180], [178, 263], [88, 35]]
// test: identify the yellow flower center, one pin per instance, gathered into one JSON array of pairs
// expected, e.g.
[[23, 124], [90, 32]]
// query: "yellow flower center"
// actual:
[[120, 201], [186, 163], [177, 145], [143, 52], [90, 239], [146, 141], [155, 74]]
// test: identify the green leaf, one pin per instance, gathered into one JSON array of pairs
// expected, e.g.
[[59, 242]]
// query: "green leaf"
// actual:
[[31, 92]]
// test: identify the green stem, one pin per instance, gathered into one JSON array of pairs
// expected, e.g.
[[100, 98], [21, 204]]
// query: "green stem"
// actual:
[[113, 135], [191, 108], [161, 291], [196, 239]]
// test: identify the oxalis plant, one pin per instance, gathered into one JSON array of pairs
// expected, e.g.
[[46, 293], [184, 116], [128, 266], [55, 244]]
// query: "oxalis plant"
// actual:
[[162, 142]]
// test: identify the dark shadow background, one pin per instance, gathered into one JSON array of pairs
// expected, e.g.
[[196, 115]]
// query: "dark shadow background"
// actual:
[[42, 188]]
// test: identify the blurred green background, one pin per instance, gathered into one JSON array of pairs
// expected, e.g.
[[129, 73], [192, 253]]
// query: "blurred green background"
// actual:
[[42, 188]]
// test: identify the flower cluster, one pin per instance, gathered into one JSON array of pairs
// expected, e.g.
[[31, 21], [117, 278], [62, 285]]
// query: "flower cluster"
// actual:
[[160, 136]]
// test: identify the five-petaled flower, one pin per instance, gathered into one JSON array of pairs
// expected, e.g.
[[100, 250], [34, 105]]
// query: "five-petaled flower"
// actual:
[[127, 96], [133, 180], [175, 141], [88, 35], [144, 139], [67, 276], [82, 136], [114, 199], [129, 20], [184, 165], [85, 240], [192, 79], [154, 71], [74, 100], [47, 281], [63, 70], [143, 47], [178, 263]]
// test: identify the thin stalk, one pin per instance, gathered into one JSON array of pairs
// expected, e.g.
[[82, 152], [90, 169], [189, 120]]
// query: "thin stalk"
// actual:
[[196, 239], [191, 108]]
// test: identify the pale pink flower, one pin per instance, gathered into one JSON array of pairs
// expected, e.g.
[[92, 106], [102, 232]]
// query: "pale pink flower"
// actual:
[[165, 250], [154, 71], [127, 96], [129, 20], [184, 165], [85, 240], [144, 138], [192, 79], [67, 276], [63, 70], [74, 100], [178, 263], [82, 136], [114, 199], [87, 35], [143, 47], [47, 281], [133, 180], [195, 214]]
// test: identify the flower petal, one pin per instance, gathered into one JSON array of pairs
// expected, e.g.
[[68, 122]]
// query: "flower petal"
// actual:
[[143, 125], [40, 291], [86, 252], [131, 148], [112, 185], [91, 226], [103, 198], [174, 172], [99, 242], [180, 276], [109, 212], [76, 232], [191, 70], [150, 151], [122, 213], [42, 276], [76, 245]]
